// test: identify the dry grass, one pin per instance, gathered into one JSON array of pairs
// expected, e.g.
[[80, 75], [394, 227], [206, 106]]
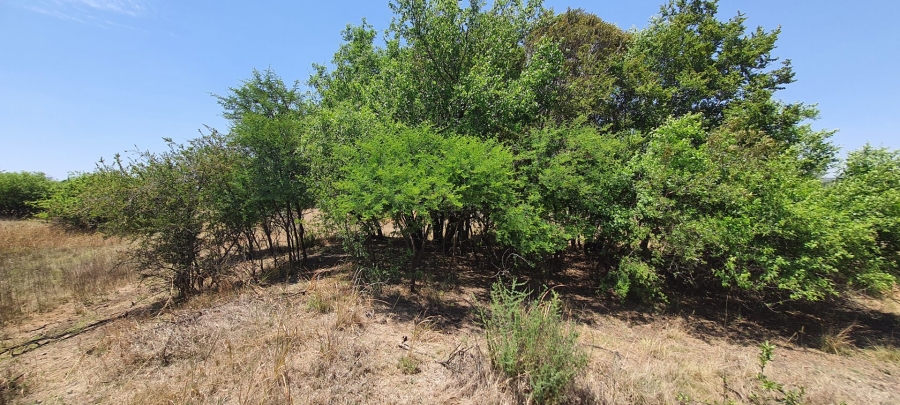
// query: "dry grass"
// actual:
[[262, 347], [323, 341], [837, 342], [42, 266], [410, 362], [885, 353]]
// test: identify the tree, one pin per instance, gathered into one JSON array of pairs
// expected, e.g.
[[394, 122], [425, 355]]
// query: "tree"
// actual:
[[582, 179], [459, 69], [66, 202], [20, 191], [731, 209], [410, 174], [162, 202], [867, 189], [592, 50], [269, 130], [687, 61]]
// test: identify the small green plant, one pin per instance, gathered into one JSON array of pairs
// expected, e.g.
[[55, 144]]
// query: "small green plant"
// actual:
[[772, 391], [531, 342], [409, 364]]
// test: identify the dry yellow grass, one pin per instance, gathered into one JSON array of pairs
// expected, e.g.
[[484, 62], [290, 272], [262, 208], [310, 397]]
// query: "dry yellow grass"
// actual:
[[270, 346], [323, 341], [256, 348], [837, 342], [42, 266]]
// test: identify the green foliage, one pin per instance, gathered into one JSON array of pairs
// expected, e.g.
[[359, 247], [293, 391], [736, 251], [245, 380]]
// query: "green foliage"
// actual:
[[20, 191], [638, 278], [66, 203], [411, 174], [471, 72], [772, 391], [867, 191], [532, 342], [480, 129], [265, 94], [720, 208], [161, 201], [592, 50], [273, 176], [687, 61], [460, 69], [581, 179], [734, 207]]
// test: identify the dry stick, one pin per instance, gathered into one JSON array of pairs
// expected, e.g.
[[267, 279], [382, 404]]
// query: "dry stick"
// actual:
[[66, 334], [460, 350]]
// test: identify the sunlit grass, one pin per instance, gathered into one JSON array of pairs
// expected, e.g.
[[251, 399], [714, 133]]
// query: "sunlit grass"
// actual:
[[42, 266]]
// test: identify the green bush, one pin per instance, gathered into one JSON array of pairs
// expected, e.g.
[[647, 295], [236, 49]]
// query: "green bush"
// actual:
[[66, 205], [530, 341], [20, 191]]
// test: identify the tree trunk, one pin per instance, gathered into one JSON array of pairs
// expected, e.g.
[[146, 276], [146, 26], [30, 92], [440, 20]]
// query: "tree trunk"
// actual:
[[437, 232], [267, 229], [452, 233], [301, 232]]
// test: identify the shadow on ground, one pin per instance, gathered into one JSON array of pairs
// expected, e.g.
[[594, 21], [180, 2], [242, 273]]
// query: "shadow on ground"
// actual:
[[454, 288]]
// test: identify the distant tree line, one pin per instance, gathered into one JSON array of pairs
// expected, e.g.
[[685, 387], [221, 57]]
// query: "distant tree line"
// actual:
[[20, 192], [507, 131]]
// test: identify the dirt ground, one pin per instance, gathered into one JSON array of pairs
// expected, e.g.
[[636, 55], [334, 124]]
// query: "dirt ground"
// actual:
[[320, 340]]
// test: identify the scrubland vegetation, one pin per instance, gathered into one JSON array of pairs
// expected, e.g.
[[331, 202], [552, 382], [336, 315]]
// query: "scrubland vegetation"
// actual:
[[361, 241]]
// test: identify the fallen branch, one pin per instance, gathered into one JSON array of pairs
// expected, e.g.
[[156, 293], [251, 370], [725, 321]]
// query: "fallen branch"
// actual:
[[37, 342]]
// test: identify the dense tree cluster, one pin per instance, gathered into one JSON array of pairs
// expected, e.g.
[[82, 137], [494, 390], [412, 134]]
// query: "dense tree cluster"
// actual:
[[511, 130], [20, 192]]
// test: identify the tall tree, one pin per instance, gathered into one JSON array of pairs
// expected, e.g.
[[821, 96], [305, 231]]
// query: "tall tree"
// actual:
[[269, 130], [460, 69], [593, 50], [687, 61]]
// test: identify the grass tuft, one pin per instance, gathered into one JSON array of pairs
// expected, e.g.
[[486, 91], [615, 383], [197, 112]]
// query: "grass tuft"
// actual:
[[886, 354], [532, 344], [837, 342]]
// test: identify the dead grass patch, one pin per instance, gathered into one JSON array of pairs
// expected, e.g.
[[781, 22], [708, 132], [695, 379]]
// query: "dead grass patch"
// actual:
[[42, 266], [269, 345], [837, 342]]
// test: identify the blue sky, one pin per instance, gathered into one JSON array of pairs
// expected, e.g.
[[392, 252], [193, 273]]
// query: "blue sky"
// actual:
[[85, 79]]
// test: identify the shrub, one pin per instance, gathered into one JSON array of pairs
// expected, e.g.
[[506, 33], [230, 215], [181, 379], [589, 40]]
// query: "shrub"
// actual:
[[20, 191], [770, 391], [531, 342], [66, 205]]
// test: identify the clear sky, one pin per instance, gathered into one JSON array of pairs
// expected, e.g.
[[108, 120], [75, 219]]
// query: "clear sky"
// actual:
[[85, 79]]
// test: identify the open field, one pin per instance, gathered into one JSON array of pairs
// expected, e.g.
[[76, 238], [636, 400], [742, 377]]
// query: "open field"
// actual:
[[324, 340], [43, 267]]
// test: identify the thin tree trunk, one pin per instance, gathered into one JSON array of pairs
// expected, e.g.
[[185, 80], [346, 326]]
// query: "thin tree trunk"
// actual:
[[267, 230], [301, 233]]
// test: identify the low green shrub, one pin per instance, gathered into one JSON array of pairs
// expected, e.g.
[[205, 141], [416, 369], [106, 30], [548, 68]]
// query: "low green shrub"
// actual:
[[772, 392], [531, 342]]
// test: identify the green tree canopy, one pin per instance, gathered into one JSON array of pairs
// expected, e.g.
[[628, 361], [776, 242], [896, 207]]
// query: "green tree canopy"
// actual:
[[20, 191]]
